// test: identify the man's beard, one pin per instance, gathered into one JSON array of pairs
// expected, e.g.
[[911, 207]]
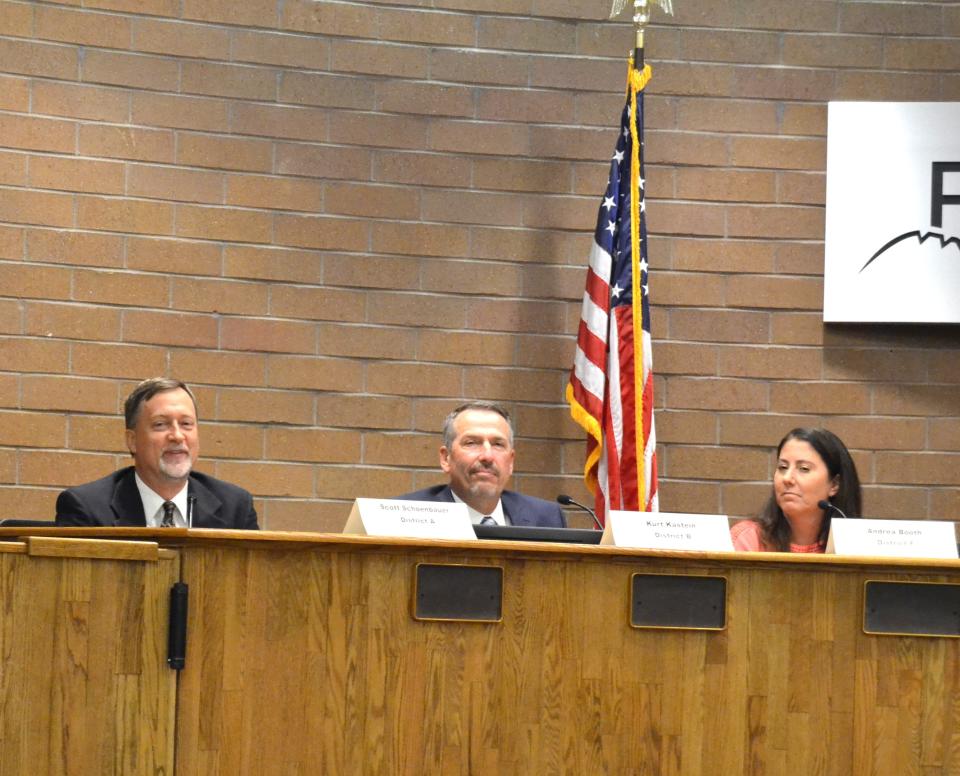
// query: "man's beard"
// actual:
[[176, 471]]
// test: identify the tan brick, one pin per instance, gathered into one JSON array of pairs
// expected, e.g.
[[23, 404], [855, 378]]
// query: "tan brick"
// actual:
[[834, 51], [246, 82], [39, 59], [262, 191], [120, 288], [317, 303], [380, 58], [716, 326], [146, 145], [473, 207], [316, 373], [322, 162], [349, 482], [17, 20], [911, 399], [32, 503], [743, 499], [33, 355], [833, 398], [318, 445], [378, 130], [866, 365], [920, 54], [515, 384], [480, 67], [886, 86], [897, 503], [673, 289], [84, 27], [62, 469], [541, 35], [14, 93], [69, 394], [114, 360], [515, 315], [718, 463], [273, 48], [124, 215], [665, 217], [522, 175], [726, 115], [527, 106], [737, 46], [547, 352], [303, 515], [328, 91], [784, 84], [796, 329], [764, 431], [26, 281], [171, 183], [943, 368], [425, 99], [575, 143], [222, 223], [708, 255], [73, 321], [80, 101], [393, 412], [421, 169], [804, 120], [255, 13], [781, 153], [97, 434], [419, 310], [176, 38], [717, 394], [457, 347], [788, 293], [686, 427], [267, 335], [546, 423], [37, 134], [10, 391], [397, 272], [279, 121], [224, 152], [414, 379], [801, 188], [684, 358], [87, 175], [169, 328], [725, 185], [791, 363], [890, 18], [233, 368], [269, 479], [367, 341], [134, 70], [784, 222], [696, 79], [427, 26], [69, 247], [419, 239], [405, 449], [944, 503], [918, 468], [880, 433], [179, 256], [151, 7], [174, 110], [260, 406], [219, 296], [221, 440], [565, 72], [247, 261], [321, 232], [371, 200]]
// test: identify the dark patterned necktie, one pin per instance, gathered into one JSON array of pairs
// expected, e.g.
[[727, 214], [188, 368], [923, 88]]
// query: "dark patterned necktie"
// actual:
[[168, 508], [487, 520]]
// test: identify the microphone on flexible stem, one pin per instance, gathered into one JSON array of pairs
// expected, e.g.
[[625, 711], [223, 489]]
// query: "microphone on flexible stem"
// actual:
[[191, 502], [567, 501], [824, 504]]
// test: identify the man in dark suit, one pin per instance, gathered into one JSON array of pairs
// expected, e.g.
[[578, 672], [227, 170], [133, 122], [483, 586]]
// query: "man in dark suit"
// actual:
[[477, 456], [160, 489]]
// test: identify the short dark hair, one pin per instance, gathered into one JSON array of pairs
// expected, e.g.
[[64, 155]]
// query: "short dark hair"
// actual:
[[774, 528], [486, 406], [146, 391]]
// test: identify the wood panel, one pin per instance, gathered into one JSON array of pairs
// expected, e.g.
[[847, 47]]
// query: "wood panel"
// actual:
[[84, 684], [305, 659]]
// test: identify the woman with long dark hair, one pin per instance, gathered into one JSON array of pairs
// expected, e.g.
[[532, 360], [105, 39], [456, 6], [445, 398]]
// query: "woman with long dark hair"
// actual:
[[813, 466]]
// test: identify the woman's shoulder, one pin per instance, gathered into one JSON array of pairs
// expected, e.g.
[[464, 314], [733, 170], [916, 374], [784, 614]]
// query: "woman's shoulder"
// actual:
[[746, 536]]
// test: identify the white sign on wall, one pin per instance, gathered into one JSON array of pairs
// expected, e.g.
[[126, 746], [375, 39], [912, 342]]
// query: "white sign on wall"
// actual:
[[892, 243]]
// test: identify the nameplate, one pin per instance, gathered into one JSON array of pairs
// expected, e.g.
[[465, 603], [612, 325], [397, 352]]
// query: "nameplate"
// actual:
[[415, 519], [668, 531], [892, 538]]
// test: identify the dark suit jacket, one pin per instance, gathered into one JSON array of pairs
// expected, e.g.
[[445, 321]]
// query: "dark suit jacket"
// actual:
[[522, 510], [114, 500]]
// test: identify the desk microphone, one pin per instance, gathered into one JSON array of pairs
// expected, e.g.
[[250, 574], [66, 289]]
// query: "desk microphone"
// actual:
[[191, 503], [824, 504], [567, 501]]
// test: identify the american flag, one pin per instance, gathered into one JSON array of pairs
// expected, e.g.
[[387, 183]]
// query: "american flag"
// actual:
[[609, 396]]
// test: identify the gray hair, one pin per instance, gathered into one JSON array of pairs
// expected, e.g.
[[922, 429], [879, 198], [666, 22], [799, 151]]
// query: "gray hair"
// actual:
[[449, 435], [146, 391]]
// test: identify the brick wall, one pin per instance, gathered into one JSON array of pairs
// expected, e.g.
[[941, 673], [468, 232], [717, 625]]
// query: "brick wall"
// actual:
[[337, 219]]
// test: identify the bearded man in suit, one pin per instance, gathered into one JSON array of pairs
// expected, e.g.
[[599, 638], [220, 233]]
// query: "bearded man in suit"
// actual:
[[160, 489]]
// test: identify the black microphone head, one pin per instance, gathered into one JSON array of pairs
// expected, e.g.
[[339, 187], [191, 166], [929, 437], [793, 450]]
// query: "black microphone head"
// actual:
[[563, 498], [824, 504]]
